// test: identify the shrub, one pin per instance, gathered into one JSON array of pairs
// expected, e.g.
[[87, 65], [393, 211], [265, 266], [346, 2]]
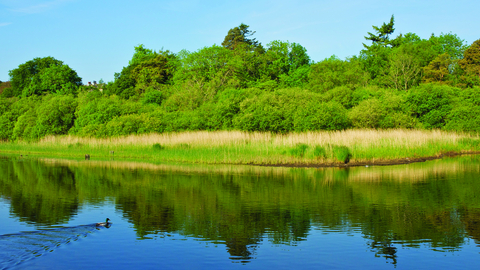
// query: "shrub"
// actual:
[[55, 115], [97, 110], [298, 150], [319, 152], [431, 103], [399, 120], [368, 114], [465, 117], [157, 147], [341, 153], [25, 126], [321, 116], [152, 97], [341, 94]]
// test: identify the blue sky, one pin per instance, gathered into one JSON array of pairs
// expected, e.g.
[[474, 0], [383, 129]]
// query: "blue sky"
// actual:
[[97, 38]]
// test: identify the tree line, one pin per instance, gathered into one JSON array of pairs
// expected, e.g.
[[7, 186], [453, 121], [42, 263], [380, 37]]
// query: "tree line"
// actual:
[[394, 82]]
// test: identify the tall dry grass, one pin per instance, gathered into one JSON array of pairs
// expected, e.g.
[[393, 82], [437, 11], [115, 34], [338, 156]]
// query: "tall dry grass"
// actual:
[[236, 147], [349, 138]]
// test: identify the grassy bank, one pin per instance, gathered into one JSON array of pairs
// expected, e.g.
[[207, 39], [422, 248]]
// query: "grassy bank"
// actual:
[[232, 147]]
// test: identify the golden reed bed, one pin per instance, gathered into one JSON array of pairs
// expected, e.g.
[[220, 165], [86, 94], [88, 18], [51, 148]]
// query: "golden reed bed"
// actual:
[[349, 138]]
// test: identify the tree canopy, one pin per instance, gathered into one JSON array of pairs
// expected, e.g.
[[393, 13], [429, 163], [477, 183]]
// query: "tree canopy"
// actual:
[[42, 75], [240, 35], [402, 82], [382, 34]]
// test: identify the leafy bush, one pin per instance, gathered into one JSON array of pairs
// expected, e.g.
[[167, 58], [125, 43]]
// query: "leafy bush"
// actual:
[[298, 150], [54, 79], [333, 72], [25, 126], [399, 120], [96, 111], [431, 103], [7, 118], [368, 114], [157, 147], [341, 153], [319, 152], [465, 117], [55, 115], [126, 124], [289, 110], [341, 94], [321, 116], [152, 97]]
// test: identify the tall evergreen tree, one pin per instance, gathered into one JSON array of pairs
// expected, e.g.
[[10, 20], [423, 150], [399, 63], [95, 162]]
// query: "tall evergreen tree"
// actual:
[[240, 35], [382, 36]]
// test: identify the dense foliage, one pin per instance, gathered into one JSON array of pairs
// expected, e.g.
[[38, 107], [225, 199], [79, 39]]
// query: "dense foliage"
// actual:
[[394, 82]]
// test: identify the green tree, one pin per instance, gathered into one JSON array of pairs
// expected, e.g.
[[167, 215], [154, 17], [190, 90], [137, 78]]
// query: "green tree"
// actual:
[[470, 64], [382, 35], [285, 64], [438, 69], [449, 43], [147, 68], [124, 83], [333, 72], [404, 70], [59, 79], [238, 35], [21, 77], [368, 114], [152, 71], [6, 90], [55, 115], [7, 117], [141, 53], [431, 103], [208, 71]]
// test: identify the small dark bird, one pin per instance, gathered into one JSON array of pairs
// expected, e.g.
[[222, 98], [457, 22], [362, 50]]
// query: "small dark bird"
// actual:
[[103, 224]]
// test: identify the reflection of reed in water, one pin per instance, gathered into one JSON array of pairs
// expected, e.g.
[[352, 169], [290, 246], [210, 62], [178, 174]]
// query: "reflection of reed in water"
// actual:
[[21, 247], [415, 172]]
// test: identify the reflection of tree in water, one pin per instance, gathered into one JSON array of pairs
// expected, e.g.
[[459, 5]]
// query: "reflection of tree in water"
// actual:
[[242, 210], [213, 208], [385, 249], [241, 249], [471, 219], [44, 195]]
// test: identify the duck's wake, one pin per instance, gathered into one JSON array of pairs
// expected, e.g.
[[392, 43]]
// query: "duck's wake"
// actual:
[[20, 247]]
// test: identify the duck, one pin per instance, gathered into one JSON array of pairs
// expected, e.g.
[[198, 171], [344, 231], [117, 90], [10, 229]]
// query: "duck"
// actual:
[[103, 224]]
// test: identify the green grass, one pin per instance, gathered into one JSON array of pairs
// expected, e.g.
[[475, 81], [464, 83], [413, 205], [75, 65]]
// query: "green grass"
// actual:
[[321, 148]]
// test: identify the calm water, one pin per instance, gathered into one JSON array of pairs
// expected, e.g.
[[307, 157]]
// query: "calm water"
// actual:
[[417, 216]]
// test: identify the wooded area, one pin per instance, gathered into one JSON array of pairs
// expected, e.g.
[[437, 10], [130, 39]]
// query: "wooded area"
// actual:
[[394, 82]]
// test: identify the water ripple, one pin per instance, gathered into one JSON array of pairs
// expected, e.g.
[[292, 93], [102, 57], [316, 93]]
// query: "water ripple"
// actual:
[[21, 247]]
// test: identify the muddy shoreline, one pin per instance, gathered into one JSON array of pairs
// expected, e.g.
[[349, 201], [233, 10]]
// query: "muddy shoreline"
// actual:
[[391, 162]]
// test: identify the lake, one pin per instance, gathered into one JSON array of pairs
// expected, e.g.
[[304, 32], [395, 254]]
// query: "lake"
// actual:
[[178, 216]]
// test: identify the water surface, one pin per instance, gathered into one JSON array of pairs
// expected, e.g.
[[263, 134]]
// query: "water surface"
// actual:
[[415, 216]]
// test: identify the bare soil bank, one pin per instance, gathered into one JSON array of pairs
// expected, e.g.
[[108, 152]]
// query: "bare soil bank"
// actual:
[[371, 163]]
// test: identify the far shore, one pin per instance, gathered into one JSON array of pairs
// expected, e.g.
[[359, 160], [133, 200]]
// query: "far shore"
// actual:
[[346, 148]]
